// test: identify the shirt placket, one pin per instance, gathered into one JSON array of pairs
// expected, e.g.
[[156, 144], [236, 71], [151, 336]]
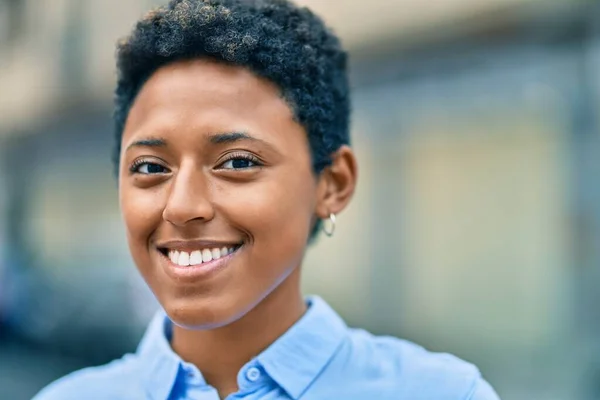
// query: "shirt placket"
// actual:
[[196, 386], [250, 378]]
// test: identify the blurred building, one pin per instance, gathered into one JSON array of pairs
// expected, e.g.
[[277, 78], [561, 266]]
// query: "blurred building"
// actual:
[[476, 226]]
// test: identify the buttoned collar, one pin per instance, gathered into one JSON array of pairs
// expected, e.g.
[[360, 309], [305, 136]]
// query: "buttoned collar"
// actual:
[[159, 364], [293, 361], [297, 358]]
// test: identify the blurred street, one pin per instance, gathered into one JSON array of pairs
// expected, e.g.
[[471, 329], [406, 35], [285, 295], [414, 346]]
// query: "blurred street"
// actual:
[[24, 370], [475, 229]]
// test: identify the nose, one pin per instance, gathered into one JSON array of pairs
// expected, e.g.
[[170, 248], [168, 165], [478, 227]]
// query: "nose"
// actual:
[[189, 198]]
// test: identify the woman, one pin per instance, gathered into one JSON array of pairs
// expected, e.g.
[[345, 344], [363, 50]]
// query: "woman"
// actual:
[[233, 153]]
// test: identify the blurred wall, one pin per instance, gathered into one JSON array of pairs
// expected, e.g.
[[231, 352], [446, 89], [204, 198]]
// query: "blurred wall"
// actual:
[[475, 228]]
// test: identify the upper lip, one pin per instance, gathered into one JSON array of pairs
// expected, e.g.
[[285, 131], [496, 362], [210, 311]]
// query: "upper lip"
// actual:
[[190, 245]]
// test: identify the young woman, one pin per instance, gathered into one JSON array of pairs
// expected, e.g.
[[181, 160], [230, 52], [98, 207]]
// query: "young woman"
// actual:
[[233, 153]]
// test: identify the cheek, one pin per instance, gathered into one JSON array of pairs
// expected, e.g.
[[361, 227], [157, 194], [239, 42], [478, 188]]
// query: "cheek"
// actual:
[[140, 210], [277, 212]]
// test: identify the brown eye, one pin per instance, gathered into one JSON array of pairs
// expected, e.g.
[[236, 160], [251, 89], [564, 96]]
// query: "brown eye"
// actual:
[[148, 168], [240, 162]]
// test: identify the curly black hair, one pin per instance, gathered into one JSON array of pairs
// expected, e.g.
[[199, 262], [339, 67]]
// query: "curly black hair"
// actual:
[[277, 40]]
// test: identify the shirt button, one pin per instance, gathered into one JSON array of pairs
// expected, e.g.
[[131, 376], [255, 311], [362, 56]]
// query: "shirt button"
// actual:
[[253, 374]]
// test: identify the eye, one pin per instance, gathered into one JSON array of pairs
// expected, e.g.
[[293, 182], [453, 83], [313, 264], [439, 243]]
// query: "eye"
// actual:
[[148, 168], [238, 162]]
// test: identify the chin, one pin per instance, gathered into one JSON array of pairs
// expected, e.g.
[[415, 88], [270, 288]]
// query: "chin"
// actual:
[[198, 314]]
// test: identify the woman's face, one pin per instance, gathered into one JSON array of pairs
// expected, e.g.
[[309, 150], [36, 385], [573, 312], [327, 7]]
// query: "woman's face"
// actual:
[[216, 189]]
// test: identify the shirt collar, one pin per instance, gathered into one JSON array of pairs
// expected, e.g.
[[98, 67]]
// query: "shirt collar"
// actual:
[[297, 358], [293, 361], [159, 362]]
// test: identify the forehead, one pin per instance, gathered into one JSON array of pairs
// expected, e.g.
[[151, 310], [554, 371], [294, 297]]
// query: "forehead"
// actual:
[[208, 95]]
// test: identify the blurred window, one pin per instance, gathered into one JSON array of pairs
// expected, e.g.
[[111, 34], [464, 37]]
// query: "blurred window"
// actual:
[[74, 50], [11, 20]]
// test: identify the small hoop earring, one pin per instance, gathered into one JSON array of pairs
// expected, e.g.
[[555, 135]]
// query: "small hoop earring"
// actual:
[[329, 225]]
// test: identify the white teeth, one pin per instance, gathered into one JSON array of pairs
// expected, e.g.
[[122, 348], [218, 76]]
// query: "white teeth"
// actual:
[[184, 259], [206, 255], [174, 256], [196, 257]]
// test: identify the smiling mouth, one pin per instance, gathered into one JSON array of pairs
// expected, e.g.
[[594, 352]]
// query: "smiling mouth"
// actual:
[[191, 258]]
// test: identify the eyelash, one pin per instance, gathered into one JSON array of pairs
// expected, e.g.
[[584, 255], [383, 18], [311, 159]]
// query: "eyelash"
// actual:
[[233, 156], [241, 156], [138, 163]]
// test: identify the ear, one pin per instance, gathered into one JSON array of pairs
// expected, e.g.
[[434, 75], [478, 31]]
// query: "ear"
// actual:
[[337, 183]]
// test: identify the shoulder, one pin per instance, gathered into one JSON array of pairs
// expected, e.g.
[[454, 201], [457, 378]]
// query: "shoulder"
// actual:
[[483, 391], [411, 371], [118, 379]]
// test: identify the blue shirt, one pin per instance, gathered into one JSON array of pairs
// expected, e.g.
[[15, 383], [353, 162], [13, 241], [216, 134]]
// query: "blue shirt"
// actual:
[[318, 358]]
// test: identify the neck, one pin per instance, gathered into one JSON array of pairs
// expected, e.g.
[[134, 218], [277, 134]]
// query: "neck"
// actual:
[[219, 353]]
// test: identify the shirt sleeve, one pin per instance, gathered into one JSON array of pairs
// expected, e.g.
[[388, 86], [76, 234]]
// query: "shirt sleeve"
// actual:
[[483, 391]]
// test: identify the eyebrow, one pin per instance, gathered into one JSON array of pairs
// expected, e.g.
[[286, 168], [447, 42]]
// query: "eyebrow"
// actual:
[[217, 138], [231, 137], [148, 143]]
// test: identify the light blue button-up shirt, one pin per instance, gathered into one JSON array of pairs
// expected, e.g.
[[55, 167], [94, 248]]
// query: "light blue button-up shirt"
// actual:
[[319, 358]]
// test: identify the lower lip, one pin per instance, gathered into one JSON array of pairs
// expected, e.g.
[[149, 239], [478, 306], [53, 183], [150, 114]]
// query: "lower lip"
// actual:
[[193, 273]]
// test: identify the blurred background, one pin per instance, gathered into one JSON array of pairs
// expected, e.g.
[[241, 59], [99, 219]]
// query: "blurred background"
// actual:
[[476, 225]]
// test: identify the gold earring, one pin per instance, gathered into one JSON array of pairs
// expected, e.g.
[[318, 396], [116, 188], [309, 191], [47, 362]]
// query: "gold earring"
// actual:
[[329, 225]]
